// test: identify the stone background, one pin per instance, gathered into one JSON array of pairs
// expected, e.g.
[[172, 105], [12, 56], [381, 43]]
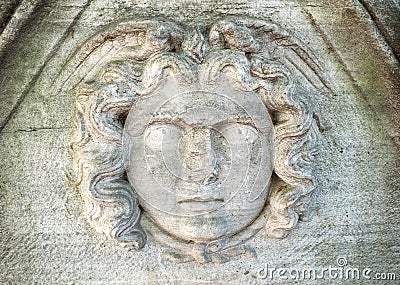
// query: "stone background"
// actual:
[[44, 237]]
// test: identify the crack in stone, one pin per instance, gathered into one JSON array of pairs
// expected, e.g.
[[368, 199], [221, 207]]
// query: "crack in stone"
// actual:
[[35, 130]]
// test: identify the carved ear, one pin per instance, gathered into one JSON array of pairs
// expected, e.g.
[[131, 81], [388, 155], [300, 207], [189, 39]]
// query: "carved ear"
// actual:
[[134, 40]]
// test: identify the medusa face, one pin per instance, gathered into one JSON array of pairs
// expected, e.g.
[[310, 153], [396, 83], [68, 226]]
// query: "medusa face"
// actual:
[[199, 158]]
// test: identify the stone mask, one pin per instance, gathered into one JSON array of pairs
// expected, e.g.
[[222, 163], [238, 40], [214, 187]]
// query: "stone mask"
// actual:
[[199, 157]]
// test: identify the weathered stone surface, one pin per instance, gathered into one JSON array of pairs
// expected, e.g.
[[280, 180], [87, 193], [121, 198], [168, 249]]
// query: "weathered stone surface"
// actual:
[[44, 236]]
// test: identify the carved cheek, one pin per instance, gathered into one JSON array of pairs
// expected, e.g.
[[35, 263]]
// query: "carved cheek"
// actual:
[[161, 149], [250, 154]]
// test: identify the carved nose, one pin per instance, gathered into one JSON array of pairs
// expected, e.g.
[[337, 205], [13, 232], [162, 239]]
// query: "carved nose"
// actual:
[[198, 153]]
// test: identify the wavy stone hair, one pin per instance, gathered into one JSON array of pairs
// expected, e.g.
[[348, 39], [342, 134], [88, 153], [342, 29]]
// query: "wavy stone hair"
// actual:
[[295, 132], [235, 47]]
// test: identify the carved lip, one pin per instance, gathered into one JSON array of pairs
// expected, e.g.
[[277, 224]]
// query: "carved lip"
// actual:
[[201, 204], [200, 200]]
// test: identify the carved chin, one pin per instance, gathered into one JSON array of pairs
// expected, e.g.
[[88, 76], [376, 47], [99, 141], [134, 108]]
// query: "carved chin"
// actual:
[[202, 226]]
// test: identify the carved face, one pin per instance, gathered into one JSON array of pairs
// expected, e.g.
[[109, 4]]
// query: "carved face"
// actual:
[[199, 158]]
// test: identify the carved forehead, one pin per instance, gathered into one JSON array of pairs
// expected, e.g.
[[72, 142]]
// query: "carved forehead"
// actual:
[[197, 104], [209, 108]]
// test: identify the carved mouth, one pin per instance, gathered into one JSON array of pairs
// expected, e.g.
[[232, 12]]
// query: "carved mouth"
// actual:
[[201, 204], [200, 200]]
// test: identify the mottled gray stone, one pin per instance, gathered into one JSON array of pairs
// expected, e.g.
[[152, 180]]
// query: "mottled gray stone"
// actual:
[[44, 236]]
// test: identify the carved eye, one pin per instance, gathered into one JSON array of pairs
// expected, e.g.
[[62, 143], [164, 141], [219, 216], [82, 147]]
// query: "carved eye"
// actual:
[[162, 135], [239, 132]]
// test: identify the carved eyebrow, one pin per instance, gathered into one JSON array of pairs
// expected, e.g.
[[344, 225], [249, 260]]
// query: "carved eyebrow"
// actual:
[[175, 121], [239, 120], [184, 125], [248, 121]]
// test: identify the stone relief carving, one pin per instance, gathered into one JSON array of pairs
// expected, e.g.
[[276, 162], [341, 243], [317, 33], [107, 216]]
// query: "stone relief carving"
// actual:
[[209, 132]]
